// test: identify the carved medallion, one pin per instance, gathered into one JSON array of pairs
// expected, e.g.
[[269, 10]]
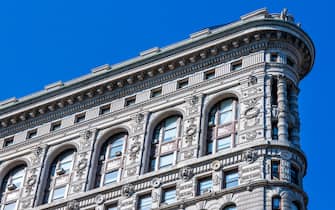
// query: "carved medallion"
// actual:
[[186, 173], [128, 190]]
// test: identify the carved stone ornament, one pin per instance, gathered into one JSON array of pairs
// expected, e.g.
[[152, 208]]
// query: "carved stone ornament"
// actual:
[[73, 205], [250, 155], [77, 187], [139, 118], [82, 166], [37, 153], [134, 150], [188, 154], [216, 165], [194, 100], [252, 80], [190, 131], [201, 205], [86, 134], [131, 171], [251, 112], [99, 199], [251, 135], [26, 203], [128, 190], [31, 180], [186, 173], [155, 182]]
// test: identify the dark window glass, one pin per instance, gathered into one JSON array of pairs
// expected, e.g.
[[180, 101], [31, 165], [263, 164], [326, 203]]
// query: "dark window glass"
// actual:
[[182, 83], [105, 109], [79, 118], [236, 65], [274, 131], [230, 207], [9, 141], [55, 126], [130, 101], [289, 61], [274, 57], [31, 134], [209, 74], [275, 170], [294, 175], [156, 92]]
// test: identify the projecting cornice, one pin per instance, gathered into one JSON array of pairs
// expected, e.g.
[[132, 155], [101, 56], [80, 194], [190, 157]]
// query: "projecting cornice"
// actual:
[[206, 48]]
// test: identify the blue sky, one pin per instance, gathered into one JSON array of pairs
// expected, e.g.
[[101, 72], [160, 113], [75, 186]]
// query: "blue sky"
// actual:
[[45, 41]]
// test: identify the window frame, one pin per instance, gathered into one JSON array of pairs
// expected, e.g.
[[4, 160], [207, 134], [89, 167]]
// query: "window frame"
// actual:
[[163, 197], [31, 133], [78, 118], [141, 198], [204, 179], [227, 173], [275, 174], [273, 199]]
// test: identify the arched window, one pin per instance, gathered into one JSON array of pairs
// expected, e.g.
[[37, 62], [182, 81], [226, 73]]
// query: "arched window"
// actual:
[[11, 187], [276, 203], [164, 143], [230, 207], [60, 169], [110, 158], [295, 205], [221, 133]]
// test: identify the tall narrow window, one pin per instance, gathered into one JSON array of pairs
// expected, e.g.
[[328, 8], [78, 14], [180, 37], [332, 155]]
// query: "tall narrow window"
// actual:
[[204, 185], [275, 169], [276, 203], [294, 172], [231, 179], [12, 183], [165, 135], [61, 168], [8, 142], [274, 130], [221, 130], [111, 151], [144, 202], [274, 90]]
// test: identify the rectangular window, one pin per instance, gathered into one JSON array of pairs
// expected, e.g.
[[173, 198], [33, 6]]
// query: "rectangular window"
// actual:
[[209, 147], [112, 207], [182, 83], [31, 134], [294, 175], [170, 129], [144, 202], [166, 160], [110, 177], [275, 169], [274, 57], [156, 92], [169, 195], [17, 179], [209, 74], [59, 193], [226, 112], [8, 141], [224, 143], [130, 101], [79, 118], [235, 66], [204, 185], [10, 206], [231, 178], [274, 131], [56, 126], [105, 109], [116, 147]]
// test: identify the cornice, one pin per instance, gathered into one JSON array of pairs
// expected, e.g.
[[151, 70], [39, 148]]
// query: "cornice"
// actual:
[[246, 41]]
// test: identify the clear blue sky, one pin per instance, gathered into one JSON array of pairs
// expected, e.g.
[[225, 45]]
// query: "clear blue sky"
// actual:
[[45, 41]]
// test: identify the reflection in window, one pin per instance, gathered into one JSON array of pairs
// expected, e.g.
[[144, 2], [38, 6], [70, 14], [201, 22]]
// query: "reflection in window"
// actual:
[[110, 177], [231, 178], [59, 193], [205, 185], [144, 202], [169, 195], [230, 207], [10, 206], [275, 171], [165, 135], [221, 130], [276, 203]]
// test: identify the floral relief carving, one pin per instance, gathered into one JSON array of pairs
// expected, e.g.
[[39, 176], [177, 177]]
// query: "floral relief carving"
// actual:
[[82, 164], [155, 182], [134, 150], [37, 155], [131, 171], [99, 199]]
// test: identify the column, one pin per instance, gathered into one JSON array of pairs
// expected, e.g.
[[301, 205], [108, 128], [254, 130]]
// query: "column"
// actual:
[[293, 103], [282, 109]]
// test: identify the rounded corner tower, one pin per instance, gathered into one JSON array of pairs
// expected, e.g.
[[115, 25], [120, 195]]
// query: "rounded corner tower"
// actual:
[[209, 123]]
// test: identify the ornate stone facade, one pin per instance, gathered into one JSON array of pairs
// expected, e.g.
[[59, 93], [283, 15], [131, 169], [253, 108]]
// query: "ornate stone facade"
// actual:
[[220, 108]]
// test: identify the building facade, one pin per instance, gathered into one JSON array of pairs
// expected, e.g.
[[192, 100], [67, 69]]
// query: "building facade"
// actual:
[[209, 123]]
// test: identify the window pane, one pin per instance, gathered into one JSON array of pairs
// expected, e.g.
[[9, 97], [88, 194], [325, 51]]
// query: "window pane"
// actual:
[[152, 164], [114, 151], [225, 117], [209, 147], [230, 208], [226, 105], [59, 193], [276, 203], [224, 143], [114, 207], [116, 146], [66, 166], [170, 134], [204, 185], [166, 160], [17, 177], [169, 196], [231, 179], [110, 177], [171, 122], [275, 169], [10, 206], [144, 202]]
